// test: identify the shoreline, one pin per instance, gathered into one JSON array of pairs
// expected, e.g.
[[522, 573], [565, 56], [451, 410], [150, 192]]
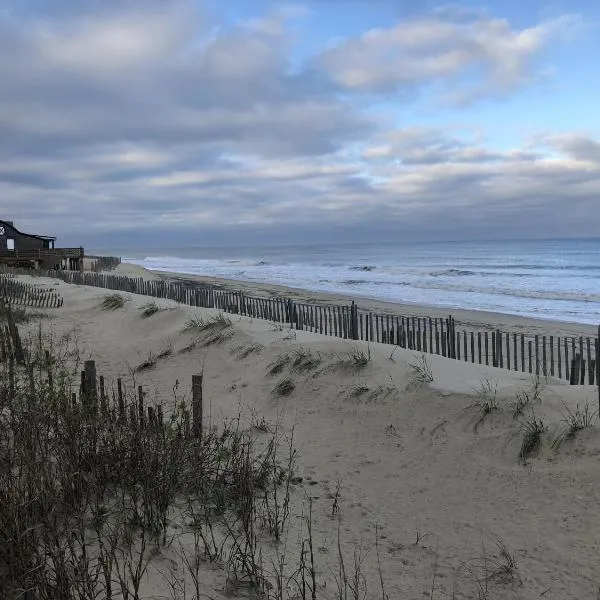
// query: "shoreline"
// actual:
[[473, 319]]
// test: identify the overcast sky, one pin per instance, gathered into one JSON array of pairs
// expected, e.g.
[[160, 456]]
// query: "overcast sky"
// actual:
[[250, 121]]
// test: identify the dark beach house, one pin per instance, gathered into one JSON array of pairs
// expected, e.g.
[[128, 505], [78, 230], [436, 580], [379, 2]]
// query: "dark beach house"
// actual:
[[18, 249]]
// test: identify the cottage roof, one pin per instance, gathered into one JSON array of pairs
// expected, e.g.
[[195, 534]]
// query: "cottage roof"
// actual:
[[39, 237]]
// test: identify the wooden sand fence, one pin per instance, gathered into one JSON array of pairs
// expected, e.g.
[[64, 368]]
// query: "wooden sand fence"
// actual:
[[26, 294], [575, 359], [122, 407]]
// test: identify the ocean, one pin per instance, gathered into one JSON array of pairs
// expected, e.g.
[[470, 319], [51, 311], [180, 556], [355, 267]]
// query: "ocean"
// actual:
[[550, 279]]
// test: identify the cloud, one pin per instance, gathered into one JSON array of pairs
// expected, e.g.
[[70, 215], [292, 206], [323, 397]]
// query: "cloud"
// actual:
[[578, 146], [441, 47], [156, 122], [423, 146]]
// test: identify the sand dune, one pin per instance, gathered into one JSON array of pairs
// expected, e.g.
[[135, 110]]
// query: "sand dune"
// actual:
[[432, 469]]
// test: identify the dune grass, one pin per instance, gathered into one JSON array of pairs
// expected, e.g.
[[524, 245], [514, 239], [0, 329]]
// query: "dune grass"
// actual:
[[284, 387], [113, 301], [354, 361], [532, 431], [150, 309], [420, 372], [112, 484], [200, 324]]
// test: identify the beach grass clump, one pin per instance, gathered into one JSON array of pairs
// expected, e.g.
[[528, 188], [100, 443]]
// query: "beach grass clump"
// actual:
[[218, 336], [284, 387], [151, 359], [529, 397], [150, 309], [420, 372], [583, 417], [110, 480], [486, 400], [532, 431], [303, 360], [200, 325], [358, 390], [279, 364], [498, 565], [214, 330], [113, 301], [355, 360], [245, 350]]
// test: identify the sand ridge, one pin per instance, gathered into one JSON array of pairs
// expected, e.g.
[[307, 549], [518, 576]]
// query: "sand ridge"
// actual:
[[412, 462]]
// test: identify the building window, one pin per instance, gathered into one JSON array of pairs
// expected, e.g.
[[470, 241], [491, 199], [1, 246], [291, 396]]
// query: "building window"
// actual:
[[10, 244]]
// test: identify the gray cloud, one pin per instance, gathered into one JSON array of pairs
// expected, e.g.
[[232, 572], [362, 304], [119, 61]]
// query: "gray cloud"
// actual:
[[149, 123]]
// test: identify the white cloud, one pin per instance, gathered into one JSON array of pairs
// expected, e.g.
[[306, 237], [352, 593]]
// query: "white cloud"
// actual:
[[443, 47]]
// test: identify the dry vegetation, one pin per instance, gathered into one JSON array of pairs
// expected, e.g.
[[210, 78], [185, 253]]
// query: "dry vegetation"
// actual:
[[91, 489], [113, 301]]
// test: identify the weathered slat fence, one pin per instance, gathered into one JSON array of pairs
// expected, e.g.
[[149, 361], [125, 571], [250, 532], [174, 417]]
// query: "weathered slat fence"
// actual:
[[26, 294], [103, 263], [575, 359]]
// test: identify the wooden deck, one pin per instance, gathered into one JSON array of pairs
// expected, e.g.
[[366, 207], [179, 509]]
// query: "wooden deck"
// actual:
[[44, 258]]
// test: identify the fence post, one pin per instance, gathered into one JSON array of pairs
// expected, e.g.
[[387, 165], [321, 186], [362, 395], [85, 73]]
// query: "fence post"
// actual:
[[354, 321], [598, 366], [90, 390], [197, 406]]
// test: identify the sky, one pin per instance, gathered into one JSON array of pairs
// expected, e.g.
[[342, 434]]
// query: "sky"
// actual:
[[204, 122]]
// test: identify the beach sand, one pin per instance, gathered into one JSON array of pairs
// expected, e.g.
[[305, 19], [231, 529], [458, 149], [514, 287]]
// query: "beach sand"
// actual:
[[469, 319], [415, 464]]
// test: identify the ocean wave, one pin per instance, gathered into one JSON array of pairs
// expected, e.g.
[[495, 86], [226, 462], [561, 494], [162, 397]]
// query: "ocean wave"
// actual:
[[528, 294], [455, 272], [365, 268]]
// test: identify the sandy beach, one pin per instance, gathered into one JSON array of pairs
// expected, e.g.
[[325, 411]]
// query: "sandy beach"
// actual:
[[423, 468], [470, 319]]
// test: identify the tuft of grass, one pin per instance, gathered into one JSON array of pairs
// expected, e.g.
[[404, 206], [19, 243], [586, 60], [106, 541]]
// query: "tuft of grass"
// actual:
[[574, 421], [216, 323], [216, 329], [358, 390], [277, 366], [149, 309], [304, 360], [420, 372], [246, 350], [152, 359], [113, 301], [218, 337], [498, 566], [533, 430], [486, 400], [528, 397], [261, 425], [382, 392], [355, 360], [285, 387]]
